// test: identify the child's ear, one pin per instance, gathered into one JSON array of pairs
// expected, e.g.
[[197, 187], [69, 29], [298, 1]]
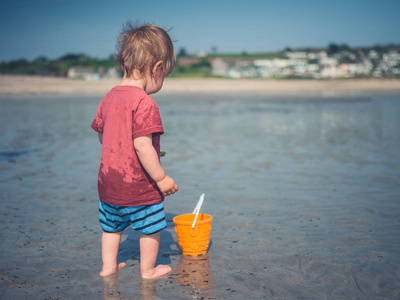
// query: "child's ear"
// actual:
[[157, 66]]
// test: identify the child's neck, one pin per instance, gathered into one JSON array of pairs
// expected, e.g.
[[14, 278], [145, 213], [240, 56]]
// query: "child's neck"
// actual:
[[141, 83]]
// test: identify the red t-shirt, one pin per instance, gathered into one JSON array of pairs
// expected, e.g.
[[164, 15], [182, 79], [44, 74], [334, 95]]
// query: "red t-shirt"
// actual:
[[125, 113]]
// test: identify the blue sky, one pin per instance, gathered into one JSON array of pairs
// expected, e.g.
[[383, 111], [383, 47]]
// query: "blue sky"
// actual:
[[53, 28]]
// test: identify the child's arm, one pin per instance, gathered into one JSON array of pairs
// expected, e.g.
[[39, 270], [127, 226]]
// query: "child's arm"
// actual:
[[100, 138], [150, 162]]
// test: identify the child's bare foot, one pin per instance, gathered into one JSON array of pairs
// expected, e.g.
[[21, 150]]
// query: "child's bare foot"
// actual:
[[156, 272], [106, 272]]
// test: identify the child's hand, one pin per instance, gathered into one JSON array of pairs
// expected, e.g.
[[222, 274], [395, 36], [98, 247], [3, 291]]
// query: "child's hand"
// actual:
[[167, 186]]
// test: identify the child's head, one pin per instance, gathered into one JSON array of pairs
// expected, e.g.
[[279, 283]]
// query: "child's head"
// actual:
[[140, 48]]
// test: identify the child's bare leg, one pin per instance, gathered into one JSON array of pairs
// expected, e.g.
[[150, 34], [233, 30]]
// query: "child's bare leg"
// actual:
[[149, 245], [109, 252]]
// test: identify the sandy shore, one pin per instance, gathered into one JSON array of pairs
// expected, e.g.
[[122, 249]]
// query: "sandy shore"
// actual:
[[34, 85]]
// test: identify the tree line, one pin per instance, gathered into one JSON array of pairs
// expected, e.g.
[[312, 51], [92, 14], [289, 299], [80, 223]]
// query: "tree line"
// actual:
[[56, 67], [59, 67]]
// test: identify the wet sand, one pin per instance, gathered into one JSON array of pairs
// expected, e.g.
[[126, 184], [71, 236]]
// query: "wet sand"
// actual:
[[304, 194]]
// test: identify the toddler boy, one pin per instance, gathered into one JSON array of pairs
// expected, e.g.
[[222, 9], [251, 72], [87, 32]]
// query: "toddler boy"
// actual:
[[131, 183]]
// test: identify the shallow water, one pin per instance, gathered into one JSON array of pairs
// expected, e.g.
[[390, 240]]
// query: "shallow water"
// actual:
[[305, 196]]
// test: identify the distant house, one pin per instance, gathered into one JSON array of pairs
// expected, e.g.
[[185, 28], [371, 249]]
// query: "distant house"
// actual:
[[328, 61], [86, 73], [220, 67], [297, 55], [110, 73], [271, 67], [360, 69], [312, 64], [313, 71], [372, 54], [395, 71], [187, 61], [340, 71], [392, 58], [286, 67]]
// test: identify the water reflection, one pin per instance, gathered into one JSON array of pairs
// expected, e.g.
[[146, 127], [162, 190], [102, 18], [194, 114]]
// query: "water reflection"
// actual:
[[148, 290], [110, 288], [194, 276]]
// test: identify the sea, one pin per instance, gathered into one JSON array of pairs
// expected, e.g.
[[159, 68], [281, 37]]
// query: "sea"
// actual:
[[304, 192]]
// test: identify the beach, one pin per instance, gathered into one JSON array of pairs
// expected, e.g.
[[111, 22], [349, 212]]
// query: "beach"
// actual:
[[302, 178], [34, 85]]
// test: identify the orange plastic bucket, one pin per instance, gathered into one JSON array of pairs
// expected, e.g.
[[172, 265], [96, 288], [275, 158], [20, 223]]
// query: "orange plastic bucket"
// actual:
[[193, 241]]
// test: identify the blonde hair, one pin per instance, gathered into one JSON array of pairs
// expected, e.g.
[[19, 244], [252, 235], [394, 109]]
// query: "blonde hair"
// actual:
[[141, 47]]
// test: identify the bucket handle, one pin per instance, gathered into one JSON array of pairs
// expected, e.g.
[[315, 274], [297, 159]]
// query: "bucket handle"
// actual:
[[197, 209]]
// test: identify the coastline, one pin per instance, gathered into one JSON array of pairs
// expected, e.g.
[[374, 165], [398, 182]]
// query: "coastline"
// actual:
[[24, 85]]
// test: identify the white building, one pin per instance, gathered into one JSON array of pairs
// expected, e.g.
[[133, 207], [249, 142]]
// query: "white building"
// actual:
[[340, 71], [219, 67], [86, 73], [328, 61], [372, 54], [392, 58], [297, 55]]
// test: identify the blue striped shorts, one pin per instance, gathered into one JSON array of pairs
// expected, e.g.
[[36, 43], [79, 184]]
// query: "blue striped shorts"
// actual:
[[147, 219]]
